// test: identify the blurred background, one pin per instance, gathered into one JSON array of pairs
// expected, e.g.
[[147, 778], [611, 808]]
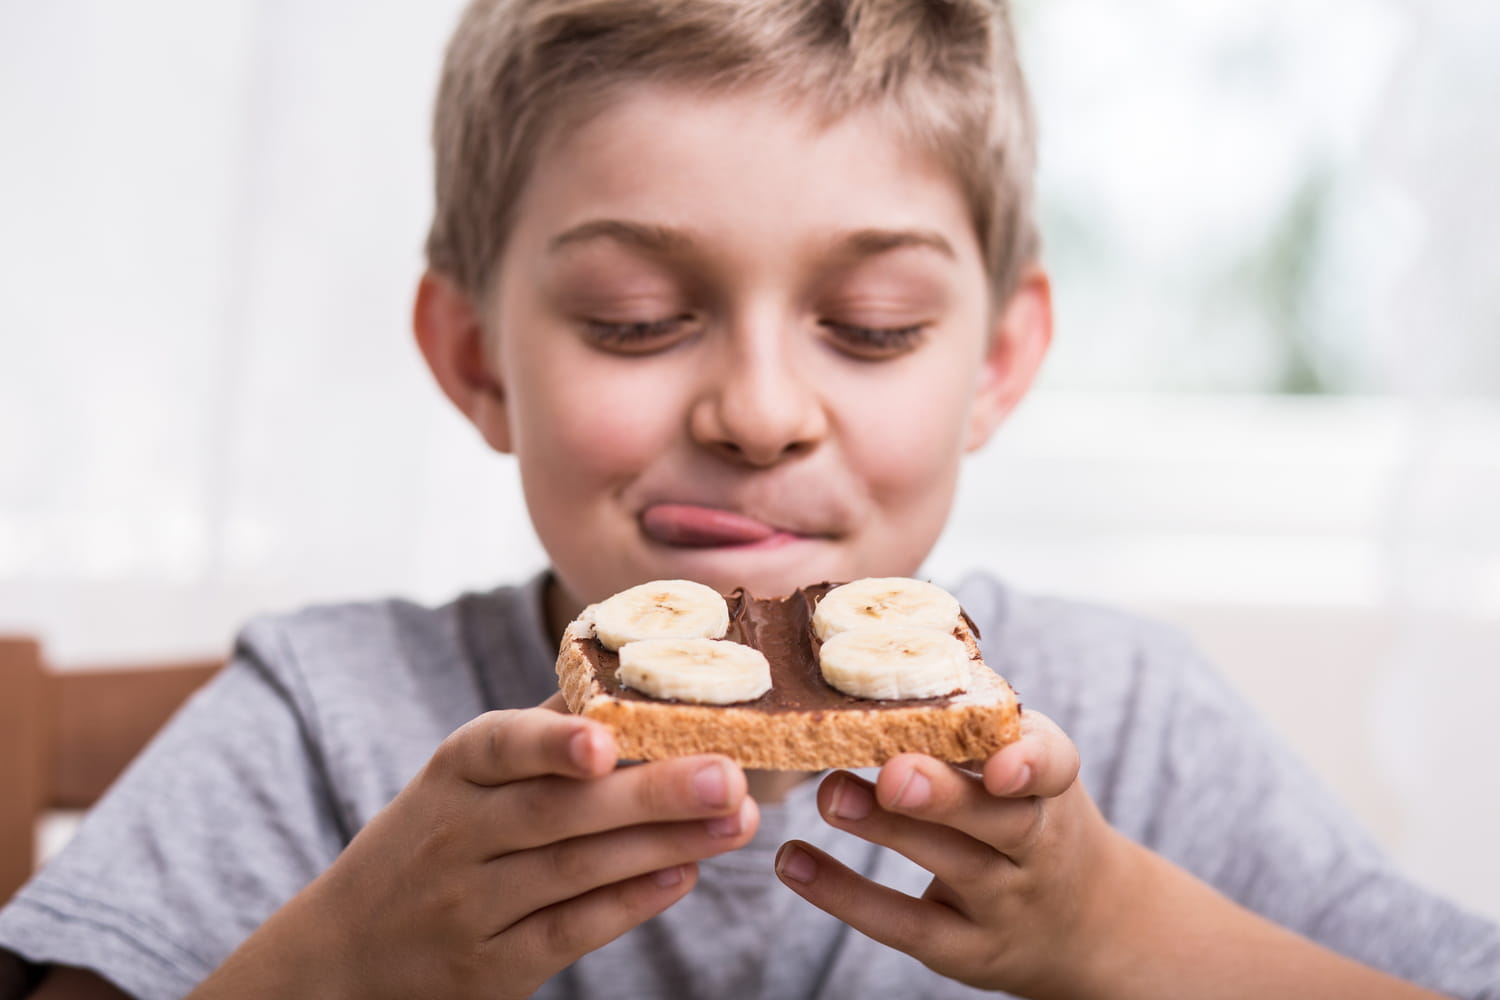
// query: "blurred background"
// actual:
[[1272, 415]]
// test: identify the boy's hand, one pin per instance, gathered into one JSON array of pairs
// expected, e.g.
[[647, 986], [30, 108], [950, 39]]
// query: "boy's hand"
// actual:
[[1034, 893], [519, 848], [1018, 853]]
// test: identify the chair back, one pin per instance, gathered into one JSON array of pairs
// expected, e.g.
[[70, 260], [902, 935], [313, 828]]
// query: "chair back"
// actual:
[[65, 735]]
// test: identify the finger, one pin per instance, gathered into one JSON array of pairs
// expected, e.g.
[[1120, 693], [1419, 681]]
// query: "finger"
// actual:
[[553, 938], [929, 931], [851, 803], [935, 793], [556, 703], [501, 747], [549, 809], [1042, 762], [517, 884]]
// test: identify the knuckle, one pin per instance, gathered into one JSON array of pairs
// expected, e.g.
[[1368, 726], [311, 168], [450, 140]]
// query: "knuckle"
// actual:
[[1031, 823], [638, 902], [945, 960], [974, 868], [543, 807], [913, 935], [958, 955], [440, 836], [658, 792], [560, 935], [997, 963], [448, 904], [573, 863], [953, 793], [481, 738], [497, 727], [445, 759]]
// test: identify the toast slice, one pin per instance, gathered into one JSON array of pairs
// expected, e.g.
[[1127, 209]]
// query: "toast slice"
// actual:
[[801, 724]]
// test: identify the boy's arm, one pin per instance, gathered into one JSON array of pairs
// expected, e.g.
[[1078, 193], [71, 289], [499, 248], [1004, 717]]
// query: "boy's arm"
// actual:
[[518, 849], [1036, 894], [1177, 934]]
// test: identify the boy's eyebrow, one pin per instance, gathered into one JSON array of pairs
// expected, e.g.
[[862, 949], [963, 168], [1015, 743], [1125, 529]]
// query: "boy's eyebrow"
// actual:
[[638, 234], [662, 239], [869, 242]]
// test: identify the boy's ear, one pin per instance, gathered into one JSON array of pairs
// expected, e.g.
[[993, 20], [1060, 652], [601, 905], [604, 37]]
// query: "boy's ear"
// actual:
[[1018, 343], [452, 340]]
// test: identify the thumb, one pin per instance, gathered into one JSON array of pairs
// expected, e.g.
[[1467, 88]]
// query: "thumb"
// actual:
[[1043, 762]]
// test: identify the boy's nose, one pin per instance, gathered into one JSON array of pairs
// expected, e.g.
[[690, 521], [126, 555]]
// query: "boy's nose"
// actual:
[[758, 410]]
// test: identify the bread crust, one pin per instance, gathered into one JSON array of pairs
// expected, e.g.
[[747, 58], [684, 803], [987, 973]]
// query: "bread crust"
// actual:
[[965, 727]]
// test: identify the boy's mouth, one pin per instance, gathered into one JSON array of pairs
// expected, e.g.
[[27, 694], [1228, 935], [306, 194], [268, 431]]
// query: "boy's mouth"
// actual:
[[705, 527]]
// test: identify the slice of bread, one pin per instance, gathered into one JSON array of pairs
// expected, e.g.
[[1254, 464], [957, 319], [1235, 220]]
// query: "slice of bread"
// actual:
[[801, 724]]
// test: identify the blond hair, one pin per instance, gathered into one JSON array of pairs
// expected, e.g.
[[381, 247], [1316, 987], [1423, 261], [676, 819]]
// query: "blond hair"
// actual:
[[518, 69]]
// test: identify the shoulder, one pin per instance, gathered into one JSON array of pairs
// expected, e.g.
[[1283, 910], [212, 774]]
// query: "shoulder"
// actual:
[[1045, 620], [403, 663], [1062, 648], [353, 634], [376, 685], [1147, 711], [394, 645]]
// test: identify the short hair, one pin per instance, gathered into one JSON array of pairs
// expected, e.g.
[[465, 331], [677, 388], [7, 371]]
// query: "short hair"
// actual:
[[516, 70]]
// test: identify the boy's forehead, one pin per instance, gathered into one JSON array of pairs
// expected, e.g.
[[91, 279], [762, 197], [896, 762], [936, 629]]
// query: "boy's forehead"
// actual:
[[653, 165]]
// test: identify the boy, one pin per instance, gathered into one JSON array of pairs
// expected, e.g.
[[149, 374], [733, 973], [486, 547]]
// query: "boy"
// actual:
[[738, 284]]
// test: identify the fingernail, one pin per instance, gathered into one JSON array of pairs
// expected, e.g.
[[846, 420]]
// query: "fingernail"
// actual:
[[711, 785], [1020, 781], [916, 793], [796, 865], [667, 877], [851, 800], [727, 826], [579, 749]]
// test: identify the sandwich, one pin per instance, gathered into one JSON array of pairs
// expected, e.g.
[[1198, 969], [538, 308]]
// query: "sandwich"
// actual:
[[830, 676]]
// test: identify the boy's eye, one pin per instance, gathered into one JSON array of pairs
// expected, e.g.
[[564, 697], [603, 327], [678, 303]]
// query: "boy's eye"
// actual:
[[874, 343], [637, 336]]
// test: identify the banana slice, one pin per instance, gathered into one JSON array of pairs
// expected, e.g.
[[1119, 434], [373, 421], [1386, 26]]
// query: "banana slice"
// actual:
[[661, 609], [890, 600], [895, 661], [706, 671]]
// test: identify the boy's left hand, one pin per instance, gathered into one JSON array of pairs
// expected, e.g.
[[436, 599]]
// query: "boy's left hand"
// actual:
[[1022, 862]]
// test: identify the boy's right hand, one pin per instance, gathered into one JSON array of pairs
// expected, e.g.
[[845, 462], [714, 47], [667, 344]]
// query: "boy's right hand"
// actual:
[[519, 848]]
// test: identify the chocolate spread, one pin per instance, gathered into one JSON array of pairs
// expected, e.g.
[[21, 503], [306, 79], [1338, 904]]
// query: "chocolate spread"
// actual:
[[781, 628]]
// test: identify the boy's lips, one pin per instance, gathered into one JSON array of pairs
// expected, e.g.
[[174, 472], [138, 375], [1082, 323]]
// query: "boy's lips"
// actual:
[[704, 527]]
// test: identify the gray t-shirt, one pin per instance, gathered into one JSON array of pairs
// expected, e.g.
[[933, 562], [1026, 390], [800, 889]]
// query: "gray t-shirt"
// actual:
[[325, 714]]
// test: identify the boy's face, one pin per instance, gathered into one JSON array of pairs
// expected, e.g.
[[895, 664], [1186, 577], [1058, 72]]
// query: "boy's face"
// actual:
[[727, 345]]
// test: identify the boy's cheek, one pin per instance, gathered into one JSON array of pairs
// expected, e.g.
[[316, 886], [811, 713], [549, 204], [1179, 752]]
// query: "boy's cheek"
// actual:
[[577, 463], [594, 423], [924, 437]]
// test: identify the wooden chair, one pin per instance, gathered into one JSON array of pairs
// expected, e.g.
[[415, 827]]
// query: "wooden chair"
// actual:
[[65, 735]]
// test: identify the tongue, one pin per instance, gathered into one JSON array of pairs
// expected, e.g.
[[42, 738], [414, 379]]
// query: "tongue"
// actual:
[[685, 524]]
